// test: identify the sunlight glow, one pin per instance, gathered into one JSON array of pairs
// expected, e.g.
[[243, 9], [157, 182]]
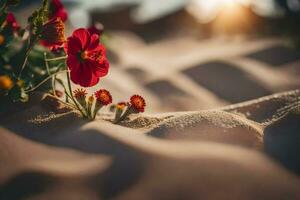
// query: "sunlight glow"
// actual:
[[228, 2], [207, 10]]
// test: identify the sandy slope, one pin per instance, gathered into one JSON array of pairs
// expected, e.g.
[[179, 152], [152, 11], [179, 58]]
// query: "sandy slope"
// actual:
[[48, 152]]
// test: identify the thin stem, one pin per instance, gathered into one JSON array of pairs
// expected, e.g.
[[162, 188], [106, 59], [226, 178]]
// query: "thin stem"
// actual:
[[96, 110], [72, 97], [44, 81], [63, 85], [56, 59], [24, 63], [48, 71], [46, 63], [30, 46], [126, 113]]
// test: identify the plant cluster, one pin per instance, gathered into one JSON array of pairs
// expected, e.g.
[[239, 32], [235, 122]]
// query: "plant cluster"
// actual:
[[31, 58]]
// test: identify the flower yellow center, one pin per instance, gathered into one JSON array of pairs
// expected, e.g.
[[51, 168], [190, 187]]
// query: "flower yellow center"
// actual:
[[84, 55], [139, 103], [2, 39], [6, 83], [104, 97]]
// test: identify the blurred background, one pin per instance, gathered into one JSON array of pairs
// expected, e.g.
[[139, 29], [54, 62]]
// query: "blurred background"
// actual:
[[192, 54]]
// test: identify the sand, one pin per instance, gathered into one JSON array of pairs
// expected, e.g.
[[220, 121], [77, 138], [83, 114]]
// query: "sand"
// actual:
[[244, 151]]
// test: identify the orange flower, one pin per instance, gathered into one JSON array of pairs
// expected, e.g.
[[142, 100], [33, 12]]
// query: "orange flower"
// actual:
[[138, 103], [6, 82], [103, 97]]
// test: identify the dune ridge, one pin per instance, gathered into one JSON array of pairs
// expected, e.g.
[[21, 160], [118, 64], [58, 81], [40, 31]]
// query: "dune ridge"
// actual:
[[185, 155]]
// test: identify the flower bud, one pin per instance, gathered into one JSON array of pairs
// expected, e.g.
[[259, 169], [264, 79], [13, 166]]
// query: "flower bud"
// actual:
[[137, 104], [103, 98], [119, 110], [90, 103], [80, 96]]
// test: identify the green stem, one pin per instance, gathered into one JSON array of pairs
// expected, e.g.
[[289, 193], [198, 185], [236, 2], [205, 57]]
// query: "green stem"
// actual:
[[96, 110], [63, 85], [72, 97], [48, 71], [126, 113], [28, 50], [118, 114], [56, 59], [44, 81]]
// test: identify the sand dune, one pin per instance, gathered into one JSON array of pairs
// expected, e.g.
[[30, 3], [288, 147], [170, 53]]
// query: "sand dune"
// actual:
[[48, 152]]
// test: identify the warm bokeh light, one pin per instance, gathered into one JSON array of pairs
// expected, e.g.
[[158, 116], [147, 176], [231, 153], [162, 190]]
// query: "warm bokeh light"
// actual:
[[233, 17], [228, 2], [225, 16], [207, 10]]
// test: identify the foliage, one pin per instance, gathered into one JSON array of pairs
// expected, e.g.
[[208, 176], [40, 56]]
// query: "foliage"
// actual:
[[32, 57]]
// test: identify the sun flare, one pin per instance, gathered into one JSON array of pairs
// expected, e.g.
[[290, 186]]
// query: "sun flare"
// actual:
[[228, 2], [207, 10]]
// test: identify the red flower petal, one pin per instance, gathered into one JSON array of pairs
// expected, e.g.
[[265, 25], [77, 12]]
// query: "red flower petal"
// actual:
[[84, 36], [98, 69], [100, 48], [57, 4], [57, 10], [89, 79], [73, 62], [11, 21], [73, 46], [94, 42]]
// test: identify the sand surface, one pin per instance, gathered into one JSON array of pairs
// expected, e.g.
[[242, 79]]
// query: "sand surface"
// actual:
[[244, 151], [215, 148]]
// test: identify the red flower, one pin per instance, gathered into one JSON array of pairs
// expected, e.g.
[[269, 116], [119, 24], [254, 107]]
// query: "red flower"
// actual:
[[54, 32], [53, 35], [12, 22], [86, 58], [138, 103], [57, 10], [103, 97]]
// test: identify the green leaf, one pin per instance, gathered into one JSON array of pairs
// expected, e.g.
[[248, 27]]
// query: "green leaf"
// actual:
[[39, 17]]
